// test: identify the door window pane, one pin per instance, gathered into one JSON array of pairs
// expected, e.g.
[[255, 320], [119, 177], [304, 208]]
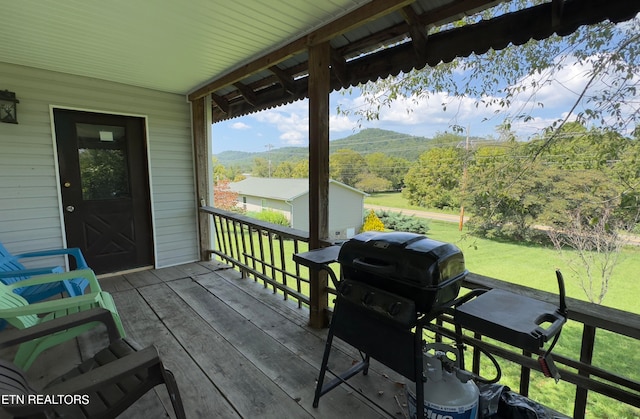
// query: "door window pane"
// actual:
[[102, 154]]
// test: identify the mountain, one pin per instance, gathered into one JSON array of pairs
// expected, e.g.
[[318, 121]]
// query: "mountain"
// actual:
[[367, 141]]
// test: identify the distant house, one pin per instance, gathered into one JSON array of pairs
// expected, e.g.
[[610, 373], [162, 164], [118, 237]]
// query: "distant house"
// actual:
[[291, 197]]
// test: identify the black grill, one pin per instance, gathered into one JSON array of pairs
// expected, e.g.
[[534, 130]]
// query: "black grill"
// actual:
[[394, 284], [407, 265]]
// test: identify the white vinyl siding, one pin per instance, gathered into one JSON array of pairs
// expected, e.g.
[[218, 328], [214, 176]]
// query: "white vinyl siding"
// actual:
[[30, 214]]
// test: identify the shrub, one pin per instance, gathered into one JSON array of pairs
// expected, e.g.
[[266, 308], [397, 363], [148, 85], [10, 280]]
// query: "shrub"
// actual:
[[271, 216], [372, 222], [398, 221]]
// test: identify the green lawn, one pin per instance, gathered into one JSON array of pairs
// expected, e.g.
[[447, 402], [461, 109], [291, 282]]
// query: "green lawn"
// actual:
[[533, 266], [395, 200]]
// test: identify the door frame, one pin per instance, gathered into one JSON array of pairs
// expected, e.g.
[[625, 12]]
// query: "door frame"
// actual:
[[59, 185]]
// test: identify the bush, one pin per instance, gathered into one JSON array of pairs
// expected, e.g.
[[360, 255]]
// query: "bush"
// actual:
[[372, 222], [398, 221], [271, 216]]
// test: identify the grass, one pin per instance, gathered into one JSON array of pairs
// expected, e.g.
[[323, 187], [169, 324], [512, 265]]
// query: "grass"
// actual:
[[395, 200], [534, 266]]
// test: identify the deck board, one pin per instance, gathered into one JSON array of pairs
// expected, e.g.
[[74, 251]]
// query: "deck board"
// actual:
[[236, 349], [251, 393], [381, 384], [143, 325], [283, 365]]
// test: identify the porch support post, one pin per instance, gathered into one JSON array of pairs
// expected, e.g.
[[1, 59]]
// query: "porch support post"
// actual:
[[319, 76], [201, 125]]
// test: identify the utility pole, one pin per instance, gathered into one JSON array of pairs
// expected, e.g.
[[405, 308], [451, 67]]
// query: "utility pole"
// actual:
[[269, 147], [464, 182]]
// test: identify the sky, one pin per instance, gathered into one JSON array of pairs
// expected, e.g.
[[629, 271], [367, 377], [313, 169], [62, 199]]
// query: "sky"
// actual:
[[288, 125]]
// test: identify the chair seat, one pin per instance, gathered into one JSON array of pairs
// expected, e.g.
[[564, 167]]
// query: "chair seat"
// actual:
[[105, 385], [114, 398], [17, 311]]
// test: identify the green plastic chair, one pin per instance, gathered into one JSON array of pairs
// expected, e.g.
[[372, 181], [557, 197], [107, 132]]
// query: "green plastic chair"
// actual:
[[18, 312]]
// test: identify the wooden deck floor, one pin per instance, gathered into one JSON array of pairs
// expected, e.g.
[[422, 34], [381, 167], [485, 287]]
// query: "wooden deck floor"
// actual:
[[237, 350]]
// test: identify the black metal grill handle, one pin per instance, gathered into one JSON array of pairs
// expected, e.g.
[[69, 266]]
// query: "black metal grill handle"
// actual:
[[381, 268]]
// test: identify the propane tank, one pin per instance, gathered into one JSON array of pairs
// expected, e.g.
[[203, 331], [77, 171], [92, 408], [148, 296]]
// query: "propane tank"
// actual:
[[446, 395]]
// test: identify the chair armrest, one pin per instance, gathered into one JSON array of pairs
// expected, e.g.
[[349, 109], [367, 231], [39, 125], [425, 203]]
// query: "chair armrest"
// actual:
[[15, 336], [44, 279], [107, 374], [72, 251], [51, 306], [31, 272]]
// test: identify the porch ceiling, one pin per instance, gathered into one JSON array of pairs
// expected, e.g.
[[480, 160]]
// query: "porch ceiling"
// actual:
[[167, 45], [252, 54]]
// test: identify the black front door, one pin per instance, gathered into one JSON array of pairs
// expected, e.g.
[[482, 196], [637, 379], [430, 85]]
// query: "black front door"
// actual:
[[105, 188]]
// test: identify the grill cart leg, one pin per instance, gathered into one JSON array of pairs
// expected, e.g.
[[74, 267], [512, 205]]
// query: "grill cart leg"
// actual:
[[417, 353], [321, 388], [323, 367]]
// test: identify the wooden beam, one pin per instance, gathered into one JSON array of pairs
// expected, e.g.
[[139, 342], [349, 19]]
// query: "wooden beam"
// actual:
[[248, 94], [319, 84], [360, 16], [339, 66], [285, 79], [416, 30], [221, 102], [201, 126]]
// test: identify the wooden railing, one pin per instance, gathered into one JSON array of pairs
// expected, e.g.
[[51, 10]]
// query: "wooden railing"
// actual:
[[264, 251]]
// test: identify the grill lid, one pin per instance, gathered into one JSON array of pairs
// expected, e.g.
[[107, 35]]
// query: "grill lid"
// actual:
[[407, 264]]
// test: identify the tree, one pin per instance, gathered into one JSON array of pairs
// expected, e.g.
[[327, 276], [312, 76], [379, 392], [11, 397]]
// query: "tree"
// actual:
[[283, 170], [590, 244], [261, 167], [346, 165], [506, 192], [372, 183], [301, 170], [223, 197], [434, 180], [388, 167]]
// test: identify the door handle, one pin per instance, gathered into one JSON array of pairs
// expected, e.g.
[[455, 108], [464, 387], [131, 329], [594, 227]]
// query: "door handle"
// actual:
[[70, 208]]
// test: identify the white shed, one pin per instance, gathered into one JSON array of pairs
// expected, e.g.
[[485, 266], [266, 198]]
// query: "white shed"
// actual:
[[291, 197]]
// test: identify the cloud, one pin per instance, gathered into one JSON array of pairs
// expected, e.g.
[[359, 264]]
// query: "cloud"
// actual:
[[342, 123], [293, 138], [240, 126], [291, 121]]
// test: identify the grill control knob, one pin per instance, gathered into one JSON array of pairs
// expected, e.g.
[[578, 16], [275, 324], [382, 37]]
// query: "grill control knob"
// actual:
[[395, 308], [368, 297]]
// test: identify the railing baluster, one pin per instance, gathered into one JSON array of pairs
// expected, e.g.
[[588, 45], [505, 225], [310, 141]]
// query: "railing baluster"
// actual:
[[236, 239], [271, 258], [525, 376], [243, 240], [586, 356], [262, 260], [296, 249], [216, 224], [228, 235], [476, 356], [253, 248], [283, 265]]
